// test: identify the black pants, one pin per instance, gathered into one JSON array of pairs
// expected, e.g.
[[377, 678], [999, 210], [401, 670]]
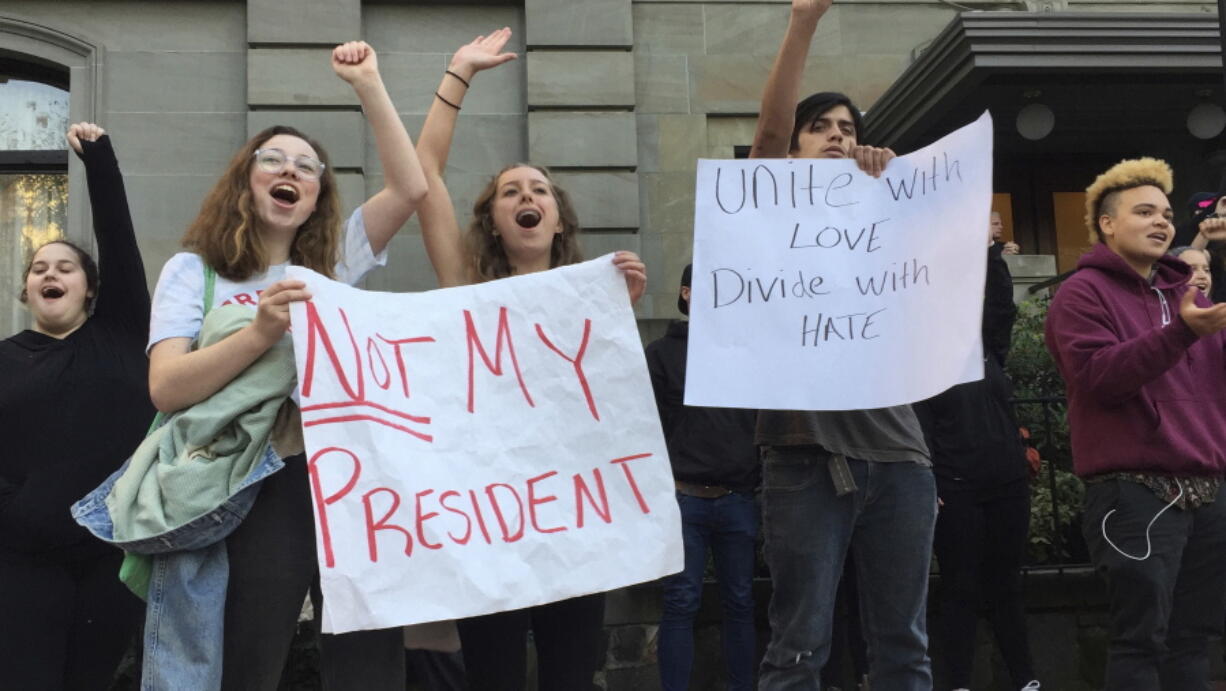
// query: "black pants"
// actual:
[[1163, 608], [980, 542], [63, 625], [566, 634], [272, 568], [438, 671]]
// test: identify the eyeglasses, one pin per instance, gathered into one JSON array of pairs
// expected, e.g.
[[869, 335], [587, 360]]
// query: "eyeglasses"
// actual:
[[274, 160]]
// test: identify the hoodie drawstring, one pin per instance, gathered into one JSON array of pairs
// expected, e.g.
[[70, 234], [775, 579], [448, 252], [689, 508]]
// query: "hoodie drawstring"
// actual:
[[1166, 309]]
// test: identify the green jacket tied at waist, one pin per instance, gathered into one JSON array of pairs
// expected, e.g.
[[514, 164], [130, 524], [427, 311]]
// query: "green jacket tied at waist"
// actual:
[[199, 458]]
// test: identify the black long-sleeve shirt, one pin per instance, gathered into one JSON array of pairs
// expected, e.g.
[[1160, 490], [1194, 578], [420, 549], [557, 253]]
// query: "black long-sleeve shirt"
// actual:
[[73, 409], [707, 446], [970, 428]]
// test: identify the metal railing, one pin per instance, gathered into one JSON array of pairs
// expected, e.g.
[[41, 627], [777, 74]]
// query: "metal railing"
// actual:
[[1044, 418]]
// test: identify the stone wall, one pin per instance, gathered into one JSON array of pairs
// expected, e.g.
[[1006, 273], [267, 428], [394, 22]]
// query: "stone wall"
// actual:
[[621, 97], [1065, 612]]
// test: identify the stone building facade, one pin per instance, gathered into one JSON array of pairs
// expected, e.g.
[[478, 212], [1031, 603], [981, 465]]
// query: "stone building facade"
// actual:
[[619, 97]]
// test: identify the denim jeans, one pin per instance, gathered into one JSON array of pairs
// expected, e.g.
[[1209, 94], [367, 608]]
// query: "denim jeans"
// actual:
[[729, 526], [1163, 608], [889, 520], [187, 589]]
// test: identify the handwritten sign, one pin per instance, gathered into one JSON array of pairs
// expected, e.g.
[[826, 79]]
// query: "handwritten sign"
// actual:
[[479, 449], [818, 287]]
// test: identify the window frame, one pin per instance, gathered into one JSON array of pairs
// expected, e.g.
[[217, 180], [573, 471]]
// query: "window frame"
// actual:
[[35, 51]]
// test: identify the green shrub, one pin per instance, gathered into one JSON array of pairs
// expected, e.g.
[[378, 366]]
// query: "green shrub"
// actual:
[[1041, 409]]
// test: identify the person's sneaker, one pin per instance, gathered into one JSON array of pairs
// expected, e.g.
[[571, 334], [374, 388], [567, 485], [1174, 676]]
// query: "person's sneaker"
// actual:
[[1032, 686]]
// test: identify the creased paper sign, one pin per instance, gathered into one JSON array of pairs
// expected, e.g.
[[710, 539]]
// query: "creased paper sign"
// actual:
[[479, 449], [818, 287]]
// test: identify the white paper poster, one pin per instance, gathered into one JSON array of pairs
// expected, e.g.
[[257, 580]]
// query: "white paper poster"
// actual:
[[818, 287], [482, 448]]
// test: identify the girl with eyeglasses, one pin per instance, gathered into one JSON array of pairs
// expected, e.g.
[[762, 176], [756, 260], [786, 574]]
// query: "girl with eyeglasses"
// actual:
[[522, 222], [276, 205]]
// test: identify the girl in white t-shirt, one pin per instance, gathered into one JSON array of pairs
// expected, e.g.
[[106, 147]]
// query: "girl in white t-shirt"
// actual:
[[523, 222], [276, 205]]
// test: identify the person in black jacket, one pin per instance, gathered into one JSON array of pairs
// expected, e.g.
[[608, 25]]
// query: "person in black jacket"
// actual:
[[715, 465], [984, 520], [998, 308], [73, 405]]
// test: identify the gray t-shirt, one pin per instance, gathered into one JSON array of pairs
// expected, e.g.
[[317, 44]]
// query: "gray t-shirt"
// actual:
[[882, 434]]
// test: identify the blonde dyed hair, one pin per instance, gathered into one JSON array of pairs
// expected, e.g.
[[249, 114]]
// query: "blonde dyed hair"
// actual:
[[1125, 175], [488, 258], [224, 232]]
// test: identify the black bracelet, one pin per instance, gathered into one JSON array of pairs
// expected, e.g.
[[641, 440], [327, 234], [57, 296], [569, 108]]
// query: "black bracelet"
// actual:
[[462, 80], [440, 97]]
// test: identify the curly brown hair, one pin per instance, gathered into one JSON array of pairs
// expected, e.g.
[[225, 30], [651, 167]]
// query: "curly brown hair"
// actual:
[[489, 258], [223, 232]]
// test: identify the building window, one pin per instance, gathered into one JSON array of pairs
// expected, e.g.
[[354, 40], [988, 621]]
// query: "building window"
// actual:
[[33, 177]]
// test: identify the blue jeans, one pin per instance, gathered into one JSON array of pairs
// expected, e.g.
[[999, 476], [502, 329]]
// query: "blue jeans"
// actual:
[[187, 588], [729, 526], [889, 520]]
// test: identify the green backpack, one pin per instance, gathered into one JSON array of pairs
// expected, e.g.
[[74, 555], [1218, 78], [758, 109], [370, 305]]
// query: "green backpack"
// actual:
[[137, 569]]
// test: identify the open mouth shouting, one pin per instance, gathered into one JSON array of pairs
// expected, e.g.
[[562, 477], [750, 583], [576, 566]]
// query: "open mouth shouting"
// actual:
[[285, 195], [1158, 236], [528, 218], [51, 292]]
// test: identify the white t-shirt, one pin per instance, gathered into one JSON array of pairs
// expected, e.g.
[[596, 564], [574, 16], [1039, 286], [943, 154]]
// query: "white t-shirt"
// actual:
[[178, 301]]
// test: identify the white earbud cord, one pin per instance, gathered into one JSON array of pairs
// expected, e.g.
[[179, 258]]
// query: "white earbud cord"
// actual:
[[1149, 547]]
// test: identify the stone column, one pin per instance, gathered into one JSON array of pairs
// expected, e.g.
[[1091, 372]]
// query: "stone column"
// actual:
[[581, 123], [290, 81]]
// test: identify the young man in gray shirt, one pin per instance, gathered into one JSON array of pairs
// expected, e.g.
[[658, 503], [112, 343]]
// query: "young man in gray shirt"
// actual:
[[832, 480]]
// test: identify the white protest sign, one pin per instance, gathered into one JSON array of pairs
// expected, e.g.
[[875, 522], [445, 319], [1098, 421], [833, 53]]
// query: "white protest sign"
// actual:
[[479, 449], [818, 287]]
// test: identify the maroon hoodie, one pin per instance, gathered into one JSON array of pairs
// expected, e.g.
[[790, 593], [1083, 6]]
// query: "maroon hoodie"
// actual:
[[1145, 393]]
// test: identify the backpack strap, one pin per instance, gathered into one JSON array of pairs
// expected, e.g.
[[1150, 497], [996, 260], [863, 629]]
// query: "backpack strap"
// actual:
[[136, 571], [210, 281]]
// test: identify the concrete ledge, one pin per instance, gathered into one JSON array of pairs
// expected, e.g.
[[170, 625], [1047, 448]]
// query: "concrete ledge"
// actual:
[[603, 200], [582, 140], [580, 78], [578, 23], [304, 21], [295, 77], [342, 133]]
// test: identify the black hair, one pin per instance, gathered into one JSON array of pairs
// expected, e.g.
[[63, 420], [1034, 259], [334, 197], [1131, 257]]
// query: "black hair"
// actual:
[[88, 265], [813, 107], [682, 304]]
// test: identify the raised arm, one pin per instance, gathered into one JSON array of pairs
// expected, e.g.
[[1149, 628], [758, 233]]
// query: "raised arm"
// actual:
[[440, 229], [773, 137], [404, 184], [180, 377], [123, 296]]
